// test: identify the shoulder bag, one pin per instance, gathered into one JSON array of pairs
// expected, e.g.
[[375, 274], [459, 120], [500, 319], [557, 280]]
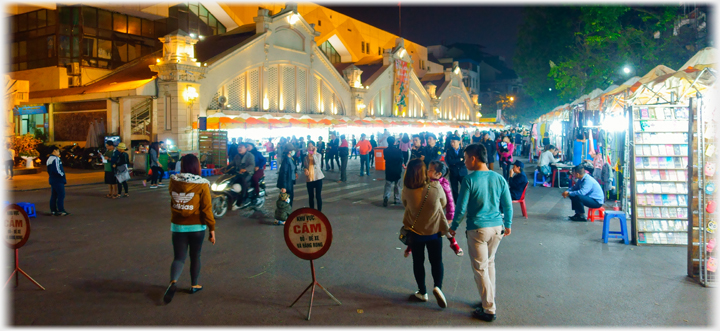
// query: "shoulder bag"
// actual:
[[405, 231]]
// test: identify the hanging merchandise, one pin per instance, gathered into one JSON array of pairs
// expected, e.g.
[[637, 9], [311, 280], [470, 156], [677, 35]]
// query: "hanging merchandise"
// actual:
[[709, 168], [710, 188], [710, 150], [712, 225], [711, 264], [710, 207], [662, 170], [710, 245]]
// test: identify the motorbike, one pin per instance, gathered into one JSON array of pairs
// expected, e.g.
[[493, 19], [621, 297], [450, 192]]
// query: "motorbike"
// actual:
[[69, 156], [226, 195], [91, 158]]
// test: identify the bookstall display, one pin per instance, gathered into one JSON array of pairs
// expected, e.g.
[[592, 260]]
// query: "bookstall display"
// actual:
[[703, 253], [661, 183], [213, 147]]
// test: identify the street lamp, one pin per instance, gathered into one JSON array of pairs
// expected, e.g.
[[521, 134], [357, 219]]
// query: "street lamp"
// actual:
[[626, 70]]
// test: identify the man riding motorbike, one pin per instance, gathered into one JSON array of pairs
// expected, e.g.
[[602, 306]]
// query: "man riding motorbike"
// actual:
[[244, 164], [260, 162]]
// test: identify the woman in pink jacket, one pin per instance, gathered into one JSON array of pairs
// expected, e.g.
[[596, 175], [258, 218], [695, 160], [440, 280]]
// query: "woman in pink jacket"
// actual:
[[506, 149]]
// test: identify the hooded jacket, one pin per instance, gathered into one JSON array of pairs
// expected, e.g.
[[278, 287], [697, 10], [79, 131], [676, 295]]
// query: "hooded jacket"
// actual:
[[283, 208], [55, 170], [191, 200]]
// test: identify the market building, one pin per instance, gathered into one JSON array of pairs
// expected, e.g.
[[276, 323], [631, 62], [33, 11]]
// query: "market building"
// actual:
[[167, 71]]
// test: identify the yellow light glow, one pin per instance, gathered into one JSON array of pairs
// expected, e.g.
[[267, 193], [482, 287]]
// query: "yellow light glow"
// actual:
[[158, 60], [266, 103], [190, 94], [457, 70], [248, 103], [402, 52], [512, 99], [297, 107], [293, 18], [479, 115], [282, 106]]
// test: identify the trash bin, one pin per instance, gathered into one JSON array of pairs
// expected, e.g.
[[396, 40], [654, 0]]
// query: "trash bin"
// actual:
[[379, 158]]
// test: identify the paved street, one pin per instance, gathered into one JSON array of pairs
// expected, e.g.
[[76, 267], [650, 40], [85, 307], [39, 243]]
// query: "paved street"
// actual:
[[108, 264]]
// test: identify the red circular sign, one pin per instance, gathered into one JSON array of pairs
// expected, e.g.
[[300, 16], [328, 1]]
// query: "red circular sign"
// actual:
[[308, 233], [17, 226]]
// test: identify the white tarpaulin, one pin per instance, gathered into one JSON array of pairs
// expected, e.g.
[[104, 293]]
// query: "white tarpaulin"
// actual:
[[707, 57]]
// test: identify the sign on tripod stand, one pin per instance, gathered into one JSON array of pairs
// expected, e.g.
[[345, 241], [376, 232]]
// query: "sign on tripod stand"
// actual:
[[17, 233]]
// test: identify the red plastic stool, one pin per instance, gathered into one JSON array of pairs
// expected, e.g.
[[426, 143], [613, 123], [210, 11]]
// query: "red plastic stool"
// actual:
[[599, 216]]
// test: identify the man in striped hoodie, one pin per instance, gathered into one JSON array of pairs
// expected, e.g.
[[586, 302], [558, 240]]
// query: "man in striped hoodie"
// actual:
[[57, 183]]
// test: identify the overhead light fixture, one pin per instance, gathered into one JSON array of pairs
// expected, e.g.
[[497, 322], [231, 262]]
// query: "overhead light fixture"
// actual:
[[192, 35], [157, 60]]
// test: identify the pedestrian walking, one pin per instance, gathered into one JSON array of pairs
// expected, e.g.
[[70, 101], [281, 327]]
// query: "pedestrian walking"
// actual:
[[161, 174], [374, 145], [394, 165], [154, 166], [382, 140], [122, 173], [9, 160], [332, 153], [287, 174], [109, 159], [417, 149], [425, 221], [57, 182], [455, 159], [490, 147], [312, 167], [191, 210], [437, 172], [433, 151], [344, 153], [405, 146], [476, 138], [354, 148], [270, 148], [506, 149], [364, 148], [321, 150], [482, 194]]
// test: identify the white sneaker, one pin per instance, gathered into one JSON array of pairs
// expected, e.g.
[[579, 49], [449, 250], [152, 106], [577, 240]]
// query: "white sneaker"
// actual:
[[440, 297], [153, 186], [421, 297]]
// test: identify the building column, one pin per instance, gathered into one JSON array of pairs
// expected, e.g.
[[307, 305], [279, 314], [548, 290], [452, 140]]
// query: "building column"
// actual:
[[113, 122], [125, 120]]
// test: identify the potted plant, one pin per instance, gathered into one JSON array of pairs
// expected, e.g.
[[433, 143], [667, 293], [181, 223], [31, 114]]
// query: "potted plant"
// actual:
[[25, 147]]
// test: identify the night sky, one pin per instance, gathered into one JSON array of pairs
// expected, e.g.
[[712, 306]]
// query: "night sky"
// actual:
[[494, 27]]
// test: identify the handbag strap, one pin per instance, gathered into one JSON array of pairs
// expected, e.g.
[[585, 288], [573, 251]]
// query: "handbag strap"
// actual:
[[427, 192]]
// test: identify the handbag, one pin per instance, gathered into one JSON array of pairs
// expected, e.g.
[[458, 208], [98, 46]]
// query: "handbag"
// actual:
[[122, 174], [404, 232]]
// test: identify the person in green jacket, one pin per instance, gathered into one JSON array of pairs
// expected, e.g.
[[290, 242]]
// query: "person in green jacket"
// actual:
[[482, 194]]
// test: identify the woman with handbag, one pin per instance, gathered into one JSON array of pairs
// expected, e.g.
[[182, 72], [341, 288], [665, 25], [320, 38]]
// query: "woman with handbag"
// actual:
[[312, 166], [424, 224], [122, 173]]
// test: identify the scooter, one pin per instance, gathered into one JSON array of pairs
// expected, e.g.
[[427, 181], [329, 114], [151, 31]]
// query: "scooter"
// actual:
[[226, 195]]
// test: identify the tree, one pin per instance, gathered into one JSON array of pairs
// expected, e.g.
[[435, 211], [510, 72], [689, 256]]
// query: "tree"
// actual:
[[573, 50]]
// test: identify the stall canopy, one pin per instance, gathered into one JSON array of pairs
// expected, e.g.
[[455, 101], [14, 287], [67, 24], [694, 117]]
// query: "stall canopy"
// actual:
[[704, 58]]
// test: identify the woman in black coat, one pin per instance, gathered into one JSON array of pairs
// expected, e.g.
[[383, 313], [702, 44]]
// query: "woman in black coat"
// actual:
[[491, 150], [287, 174], [393, 170]]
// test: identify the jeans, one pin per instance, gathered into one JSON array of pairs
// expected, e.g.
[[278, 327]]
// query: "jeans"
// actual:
[[434, 248], [255, 180], [160, 175], [315, 192], [181, 241], [365, 162], [482, 245], [579, 202], [392, 186], [372, 156], [330, 161], [406, 157], [546, 171], [343, 168], [155, 175], [506, 169], [354, 152], [57, 198]]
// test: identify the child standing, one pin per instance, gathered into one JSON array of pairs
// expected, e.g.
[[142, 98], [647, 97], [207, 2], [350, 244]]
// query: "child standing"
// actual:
[[436, 172], [283, 208]]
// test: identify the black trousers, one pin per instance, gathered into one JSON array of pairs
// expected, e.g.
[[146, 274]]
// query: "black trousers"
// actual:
[[579, 202], [181, 242], [57, 198], [343, 168], [434, 249], [372, 156], [455, 185], [314, 189]]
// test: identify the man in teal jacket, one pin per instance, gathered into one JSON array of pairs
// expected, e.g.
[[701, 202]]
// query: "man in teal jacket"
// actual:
[[482, 193]]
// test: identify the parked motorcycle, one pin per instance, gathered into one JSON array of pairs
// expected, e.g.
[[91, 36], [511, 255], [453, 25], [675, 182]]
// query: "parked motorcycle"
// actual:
[[226, 195], [69, 156], [92, 159]]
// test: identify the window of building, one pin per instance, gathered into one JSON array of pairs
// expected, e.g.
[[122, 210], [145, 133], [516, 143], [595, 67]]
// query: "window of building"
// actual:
[[119, 23], [319, 23], [134, 25], [367, 48], [379, 51], [330, 52], [362, 46], [104, 20]]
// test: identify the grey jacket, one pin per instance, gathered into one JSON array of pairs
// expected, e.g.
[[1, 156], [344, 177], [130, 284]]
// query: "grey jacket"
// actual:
[[246, 162]]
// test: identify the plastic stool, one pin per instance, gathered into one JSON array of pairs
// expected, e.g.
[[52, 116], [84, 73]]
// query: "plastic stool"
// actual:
[[166, 175], [206, 172], [592, 216], [273, 165], [211, 166], [29, 208], [623, 234], [535, 180]]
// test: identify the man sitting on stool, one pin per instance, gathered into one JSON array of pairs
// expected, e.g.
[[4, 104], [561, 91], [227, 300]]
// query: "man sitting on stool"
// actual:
[[586, 193], [518, 180]]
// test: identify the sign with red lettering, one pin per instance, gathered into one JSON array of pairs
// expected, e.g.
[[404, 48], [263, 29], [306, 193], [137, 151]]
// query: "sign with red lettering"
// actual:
[[17, 226], [308, 233]]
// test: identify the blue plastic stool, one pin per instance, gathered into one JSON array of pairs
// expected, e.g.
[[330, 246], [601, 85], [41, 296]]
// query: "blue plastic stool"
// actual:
[[273, 165], [535, 180], [29, 208], [206, 172], [623, 234], [166, 175]]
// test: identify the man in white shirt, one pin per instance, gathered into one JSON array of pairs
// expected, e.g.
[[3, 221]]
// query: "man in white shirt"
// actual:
[[546, 159], [382, 142], [8, 158]]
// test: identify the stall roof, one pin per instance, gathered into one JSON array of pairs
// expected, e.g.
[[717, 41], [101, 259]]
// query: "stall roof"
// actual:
[[706, 57]]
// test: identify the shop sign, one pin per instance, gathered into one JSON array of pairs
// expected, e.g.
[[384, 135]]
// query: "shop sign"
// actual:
[[30, 110], [308, 233], [487, 120], [17, 226]]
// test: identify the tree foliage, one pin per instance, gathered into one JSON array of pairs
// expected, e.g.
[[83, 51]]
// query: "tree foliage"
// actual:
[[565, 52]]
